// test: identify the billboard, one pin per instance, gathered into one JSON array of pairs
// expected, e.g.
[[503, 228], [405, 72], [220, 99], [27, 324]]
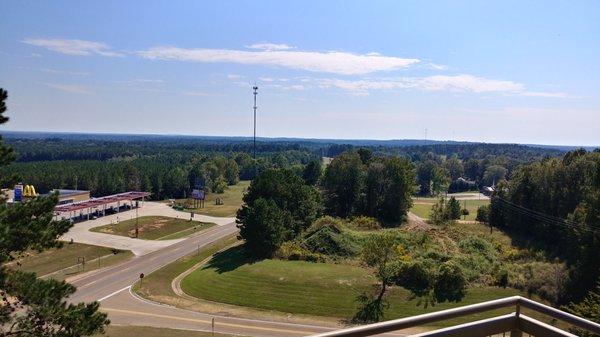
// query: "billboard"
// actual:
[[198, 194]]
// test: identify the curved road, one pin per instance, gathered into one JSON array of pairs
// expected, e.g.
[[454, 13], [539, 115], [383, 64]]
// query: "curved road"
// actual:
[[112, 287]]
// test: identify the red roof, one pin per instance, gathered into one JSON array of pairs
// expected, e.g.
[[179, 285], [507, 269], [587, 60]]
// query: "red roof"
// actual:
[[96, 202]]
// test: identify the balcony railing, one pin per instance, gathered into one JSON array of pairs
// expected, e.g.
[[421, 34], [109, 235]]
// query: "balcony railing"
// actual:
[[513, 325]]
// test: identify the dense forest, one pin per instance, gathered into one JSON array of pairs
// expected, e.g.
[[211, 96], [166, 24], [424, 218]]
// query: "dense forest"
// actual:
[[555, 203], [170, 166]]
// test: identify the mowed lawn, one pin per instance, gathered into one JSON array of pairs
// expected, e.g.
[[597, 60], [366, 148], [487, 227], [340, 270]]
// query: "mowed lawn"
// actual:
[[65, 259], [232, 201], [145, 331], [322, 289], [422, 207], [155, 227]]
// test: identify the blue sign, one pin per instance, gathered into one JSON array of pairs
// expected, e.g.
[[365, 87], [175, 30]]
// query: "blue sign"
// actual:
[[18, 193], [198, 194]]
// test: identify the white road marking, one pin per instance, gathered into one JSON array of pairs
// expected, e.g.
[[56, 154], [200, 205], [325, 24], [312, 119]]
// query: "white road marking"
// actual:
[[113, 293]]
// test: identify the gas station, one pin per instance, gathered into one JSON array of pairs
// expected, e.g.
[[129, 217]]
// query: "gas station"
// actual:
[[97, 207]]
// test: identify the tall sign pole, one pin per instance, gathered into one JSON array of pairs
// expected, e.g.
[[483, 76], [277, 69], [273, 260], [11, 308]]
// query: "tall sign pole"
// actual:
[[255, 88]]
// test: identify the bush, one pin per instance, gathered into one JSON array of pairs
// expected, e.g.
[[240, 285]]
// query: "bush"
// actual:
[[292, 251], [450, 283], [335, 224], [417, 276], [478, 245], [329, 241], [366, 223], [483, 214], [502, 278]]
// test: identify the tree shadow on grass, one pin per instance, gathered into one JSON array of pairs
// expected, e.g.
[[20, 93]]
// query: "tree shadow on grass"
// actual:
[[229, 260]]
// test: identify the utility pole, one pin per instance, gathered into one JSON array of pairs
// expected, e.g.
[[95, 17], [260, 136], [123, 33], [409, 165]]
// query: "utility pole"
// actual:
[[255, 88]]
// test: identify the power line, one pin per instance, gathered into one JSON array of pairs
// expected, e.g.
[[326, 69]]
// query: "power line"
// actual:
[[549, 217], [546, 219]]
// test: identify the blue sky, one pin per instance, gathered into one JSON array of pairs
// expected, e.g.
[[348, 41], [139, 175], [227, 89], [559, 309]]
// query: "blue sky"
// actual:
[[506, 71]]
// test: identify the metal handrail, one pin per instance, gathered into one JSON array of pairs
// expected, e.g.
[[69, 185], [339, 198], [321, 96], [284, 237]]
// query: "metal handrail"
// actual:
[[516, 301]]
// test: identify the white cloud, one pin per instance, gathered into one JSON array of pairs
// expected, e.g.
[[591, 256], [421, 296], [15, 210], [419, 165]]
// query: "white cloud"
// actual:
[[330, 62], [456, 83], [438, 66], [74, 47], [468, 83], [36, 55], [270, 46], [71, 88]]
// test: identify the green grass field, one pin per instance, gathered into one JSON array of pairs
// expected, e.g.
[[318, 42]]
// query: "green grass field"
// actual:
[[158, 283], [232, 201], [308, 288], [144, 331], [155, 228], [65, 260], [422, 207]]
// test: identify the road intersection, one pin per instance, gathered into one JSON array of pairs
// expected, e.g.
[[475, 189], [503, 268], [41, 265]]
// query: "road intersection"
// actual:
[[112, 287]]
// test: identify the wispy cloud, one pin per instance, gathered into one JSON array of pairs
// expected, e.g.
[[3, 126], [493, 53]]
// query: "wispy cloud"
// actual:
[[330, 62], [74, 47], [144, 80], [435, 66], [270, 46], [65, 72], [70, 88], [547, 94], [468, 83], [456, 83], [235, 77]]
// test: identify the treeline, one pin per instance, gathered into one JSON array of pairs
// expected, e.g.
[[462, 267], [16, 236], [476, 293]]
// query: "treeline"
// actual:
[[48, 149], [165, 175], [556, 203]]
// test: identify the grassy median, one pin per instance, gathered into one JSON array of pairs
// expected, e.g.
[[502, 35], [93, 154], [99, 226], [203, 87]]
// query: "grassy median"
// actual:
[[158, 283], [155, 227]]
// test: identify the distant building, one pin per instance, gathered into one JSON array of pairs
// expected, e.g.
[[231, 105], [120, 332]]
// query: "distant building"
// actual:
[[71, 196], [461, 185], [488, 190]]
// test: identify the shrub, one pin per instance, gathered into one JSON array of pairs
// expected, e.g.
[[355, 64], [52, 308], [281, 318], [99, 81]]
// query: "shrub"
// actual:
[[483, 214], [292, 251], [335, 224], [450, 283], [417, 276], [502, 278], [329, 241], [436, 255], [366, 223], [478, 245]]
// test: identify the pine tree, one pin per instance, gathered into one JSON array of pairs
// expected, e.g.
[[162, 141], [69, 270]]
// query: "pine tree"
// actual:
[[30, 306]]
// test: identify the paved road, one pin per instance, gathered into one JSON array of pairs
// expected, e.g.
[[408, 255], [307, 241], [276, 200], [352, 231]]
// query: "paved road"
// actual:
[[98, 285], [111, 286]]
